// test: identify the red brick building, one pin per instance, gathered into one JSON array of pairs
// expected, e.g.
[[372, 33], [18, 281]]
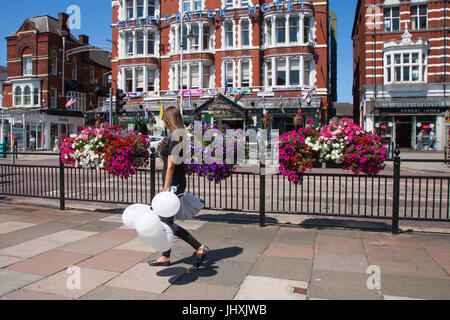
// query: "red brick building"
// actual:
[[274, 51], [401, 69], [36, 91]]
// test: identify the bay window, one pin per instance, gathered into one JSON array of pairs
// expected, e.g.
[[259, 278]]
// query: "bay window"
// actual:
[[140, 42], [18, 96], [269, 73], [151, 8], [293, 29], [186, 5], [206, 37], [268, 32], [27, 96], [392, 19], [151, 79], [140, 8], [197, 5], [36, 96], [307, 30], [206, 76], [130, 9], [129, 80], [307, 73], [151, 43], [185, 77], [229, 4], [129, 43], [419, 16], [294, 72], [139, 79], [405, 67], [194, 76], [195, 39]]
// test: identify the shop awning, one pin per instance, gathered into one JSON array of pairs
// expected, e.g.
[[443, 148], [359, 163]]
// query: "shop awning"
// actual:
[[441, 103]]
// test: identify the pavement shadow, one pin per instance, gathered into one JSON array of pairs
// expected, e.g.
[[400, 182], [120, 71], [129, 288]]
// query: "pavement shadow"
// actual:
[[319, 223], [234, 218], [207, 269]]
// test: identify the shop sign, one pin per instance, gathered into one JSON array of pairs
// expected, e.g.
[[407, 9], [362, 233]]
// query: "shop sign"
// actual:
[[193, 92], [288, 88], [169, 94], [426, 126], [418, 110]]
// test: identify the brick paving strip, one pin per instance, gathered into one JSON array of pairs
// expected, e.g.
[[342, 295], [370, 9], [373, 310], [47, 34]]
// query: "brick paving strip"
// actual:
[[38, 245]]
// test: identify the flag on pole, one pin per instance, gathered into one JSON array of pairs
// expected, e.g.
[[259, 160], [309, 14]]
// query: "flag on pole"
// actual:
[[240, 95], [309, 95], [146, 112], [70, 102], [264, 110], [161, 112], [299, 106], [281, 108]]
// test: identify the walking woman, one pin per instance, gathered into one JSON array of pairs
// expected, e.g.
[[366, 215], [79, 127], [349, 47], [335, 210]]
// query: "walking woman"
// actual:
[[174, 176]]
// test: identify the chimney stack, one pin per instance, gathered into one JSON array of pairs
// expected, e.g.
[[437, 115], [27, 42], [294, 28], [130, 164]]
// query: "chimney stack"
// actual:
[[84, 39], [62, 21]]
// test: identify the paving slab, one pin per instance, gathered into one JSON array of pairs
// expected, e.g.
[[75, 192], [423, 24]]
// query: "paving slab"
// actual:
[[198, 291], [4, 217], [341, 286], [295, 236], [332, 261], [6, 261], [11, 226], [415, 287], [115, 218], [404, 261], [12, 280], [333, 244], [57, 284], [286, 250], [252, 233], [190, 224], [398, 298], [123, 235], [136, 245], [97, 226], [25, 294], [142, 277], [30, 248], [111, 293], [440, 253], [223, 273], [282, 268], [90, 246], [264, 288], [82, 218], [67, 236], [115, 260], [336, 232], [40, 218], [48, 263]]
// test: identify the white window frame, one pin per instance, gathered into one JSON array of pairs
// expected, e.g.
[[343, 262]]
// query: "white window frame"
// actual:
[[421, 64], [151, 4], [233, 77], [18, 100], [241, 73], [27, 65], [143, 8], [80, 104], [390, 18], [418, 16], [241, 31], [279, 28], [127, 9], [151, 71], [225, 38]]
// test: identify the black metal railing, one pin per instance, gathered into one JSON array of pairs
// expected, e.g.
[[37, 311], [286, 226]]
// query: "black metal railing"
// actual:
[[383, 196]]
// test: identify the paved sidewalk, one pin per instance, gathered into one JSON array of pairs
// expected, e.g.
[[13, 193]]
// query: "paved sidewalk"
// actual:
[[38, 244]]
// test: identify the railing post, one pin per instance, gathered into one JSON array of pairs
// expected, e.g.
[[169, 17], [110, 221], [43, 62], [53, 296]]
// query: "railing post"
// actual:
[[152, 173], [62, 203], [262, 192], [396, 192]]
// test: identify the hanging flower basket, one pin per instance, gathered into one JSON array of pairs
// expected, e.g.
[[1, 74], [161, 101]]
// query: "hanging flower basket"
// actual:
[[267, 118]]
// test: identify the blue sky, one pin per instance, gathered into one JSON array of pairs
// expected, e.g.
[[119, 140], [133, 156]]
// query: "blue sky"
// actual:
[[96, 19]]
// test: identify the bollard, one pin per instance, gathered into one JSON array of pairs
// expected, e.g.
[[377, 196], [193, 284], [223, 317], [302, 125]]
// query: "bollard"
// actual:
[[152, 173], [62, 203], [396, 192], [262, 193]]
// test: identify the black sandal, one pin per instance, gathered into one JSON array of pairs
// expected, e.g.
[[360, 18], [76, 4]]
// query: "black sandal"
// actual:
[[202, 256], [155, 263]]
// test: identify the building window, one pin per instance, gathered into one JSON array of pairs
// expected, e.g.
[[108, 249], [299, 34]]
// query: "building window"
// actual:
[[307, 73], [293, 29], [54, 64], [229, 4], [129, 43], [151, 80], [130, 9], [151, 43], [294, 72], [18, 96], [392, 19], [268, 32], [229, 34], [80, 103], [229, 74], [186, 5], [184, 39], [281, 30], [139, 80], [105, 81], [53, 98], [27, 96], [195, 38], [206, 37], [195, 76], [245, 3], [92, 75], [419, 16], [307, 30], [75, 69], [245, 33], [245, 74], [140, 8], [197, 5], [206, 75], [151, 8], [36, 96], [281, 72], [140, 42], [405, 67], [184, 78], [129, 80], [27, 66], [269, 73]]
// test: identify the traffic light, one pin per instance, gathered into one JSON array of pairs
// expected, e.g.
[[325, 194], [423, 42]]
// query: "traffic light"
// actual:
[[120, 95]]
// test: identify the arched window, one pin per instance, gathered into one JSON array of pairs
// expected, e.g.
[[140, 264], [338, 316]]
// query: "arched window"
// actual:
[[27, 96], [75, 69], [36, 96], [18, 96], [54, 64]]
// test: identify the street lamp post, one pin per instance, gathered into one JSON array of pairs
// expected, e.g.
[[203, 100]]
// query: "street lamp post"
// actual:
[[189, 35]]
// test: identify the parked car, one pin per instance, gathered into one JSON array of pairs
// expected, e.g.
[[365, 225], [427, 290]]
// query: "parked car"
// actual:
[[154, 141]]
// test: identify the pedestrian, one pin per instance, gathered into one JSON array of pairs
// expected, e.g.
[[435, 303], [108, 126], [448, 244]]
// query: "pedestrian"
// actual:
[[432, 144], [57, 145], [420, 140], [174, 175], [33, 143]]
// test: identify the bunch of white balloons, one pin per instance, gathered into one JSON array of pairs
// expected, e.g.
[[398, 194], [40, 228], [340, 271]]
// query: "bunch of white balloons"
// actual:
[[146, 221]]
